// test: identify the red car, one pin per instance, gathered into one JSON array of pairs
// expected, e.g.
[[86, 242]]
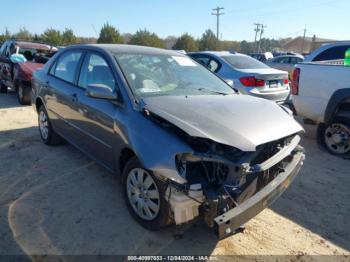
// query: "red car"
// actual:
[[18, 61]]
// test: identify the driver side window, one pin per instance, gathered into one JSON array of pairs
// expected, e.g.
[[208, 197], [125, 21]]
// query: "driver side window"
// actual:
[[95, 70]]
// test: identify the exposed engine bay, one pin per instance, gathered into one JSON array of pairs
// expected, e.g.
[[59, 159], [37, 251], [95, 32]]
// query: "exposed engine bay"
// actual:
[[224, 177]]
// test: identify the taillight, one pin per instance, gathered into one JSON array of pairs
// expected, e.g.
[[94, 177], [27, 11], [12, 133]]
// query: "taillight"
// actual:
[[251, 81], [286, 81], [295, 81]]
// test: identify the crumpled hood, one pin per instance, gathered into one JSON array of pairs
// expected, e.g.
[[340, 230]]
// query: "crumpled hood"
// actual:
[[240, 121], [25, 70]]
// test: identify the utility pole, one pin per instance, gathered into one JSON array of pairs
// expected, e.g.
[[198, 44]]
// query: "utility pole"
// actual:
[[257, 30], [302, 46], [217, 14], [261, 33]]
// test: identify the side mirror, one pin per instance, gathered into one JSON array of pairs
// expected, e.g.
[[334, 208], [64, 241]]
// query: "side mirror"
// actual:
[[101, 91], [230, 82]]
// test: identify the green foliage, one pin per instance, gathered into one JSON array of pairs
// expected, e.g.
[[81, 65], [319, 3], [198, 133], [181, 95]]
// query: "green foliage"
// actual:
[[6, 35], [247, 47], [229, 46], [186, 42], [52, 37], [24, 35], [146, 38], [109, 35], [68, 37], [208, 41]]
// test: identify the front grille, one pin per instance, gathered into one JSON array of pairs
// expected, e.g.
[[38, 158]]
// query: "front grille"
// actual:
[[266, 151]]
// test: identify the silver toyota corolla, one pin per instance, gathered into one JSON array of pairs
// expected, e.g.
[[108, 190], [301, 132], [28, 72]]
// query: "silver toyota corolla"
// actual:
[[249, 75], [185, 143]]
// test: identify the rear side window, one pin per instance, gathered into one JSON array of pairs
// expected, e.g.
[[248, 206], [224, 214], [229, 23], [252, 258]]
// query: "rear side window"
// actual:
[[202, 60], [295, 60], [66, 65], [95, 70], [244, 62], [333, 53]]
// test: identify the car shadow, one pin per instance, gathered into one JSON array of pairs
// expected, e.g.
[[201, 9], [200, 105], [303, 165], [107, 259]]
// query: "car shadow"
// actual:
[[54, 200], [319, 197], [9, 100]]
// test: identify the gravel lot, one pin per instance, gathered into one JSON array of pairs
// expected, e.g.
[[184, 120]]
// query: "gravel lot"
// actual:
[[54, 200]]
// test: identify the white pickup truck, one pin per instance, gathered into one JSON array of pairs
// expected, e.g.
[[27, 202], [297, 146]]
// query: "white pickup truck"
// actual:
[[321, 95]]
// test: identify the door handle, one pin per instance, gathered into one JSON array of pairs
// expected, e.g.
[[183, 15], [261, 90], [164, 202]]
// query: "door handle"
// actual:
[[74, 97]]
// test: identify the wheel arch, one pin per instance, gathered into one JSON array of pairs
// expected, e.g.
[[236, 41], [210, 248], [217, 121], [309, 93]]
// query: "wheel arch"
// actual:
[[124, 156], [338, 105]]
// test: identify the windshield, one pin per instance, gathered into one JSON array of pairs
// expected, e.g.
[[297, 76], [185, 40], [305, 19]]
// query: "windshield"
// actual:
[[243, 62], [157, 75]]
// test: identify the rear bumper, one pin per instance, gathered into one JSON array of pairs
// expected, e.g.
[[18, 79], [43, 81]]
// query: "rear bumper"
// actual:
[[278, 96], [229, 222]]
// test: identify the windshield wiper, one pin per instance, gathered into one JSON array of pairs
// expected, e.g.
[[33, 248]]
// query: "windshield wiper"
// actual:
[[213, 91]]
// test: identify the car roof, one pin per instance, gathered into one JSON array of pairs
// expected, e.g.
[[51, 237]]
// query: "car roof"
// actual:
[[218, 53], [124, 48], [23, 44], [296, 55]]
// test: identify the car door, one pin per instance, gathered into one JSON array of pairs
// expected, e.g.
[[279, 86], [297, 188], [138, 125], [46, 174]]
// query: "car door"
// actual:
[[6, 66], [61, 94], [2, 59], [97, 115]]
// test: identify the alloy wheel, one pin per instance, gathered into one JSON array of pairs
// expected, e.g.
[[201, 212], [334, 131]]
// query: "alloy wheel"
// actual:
[[43, 125], [143, 194]]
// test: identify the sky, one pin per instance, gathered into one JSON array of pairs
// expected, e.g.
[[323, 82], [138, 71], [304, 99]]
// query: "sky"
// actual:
[[283, 18]]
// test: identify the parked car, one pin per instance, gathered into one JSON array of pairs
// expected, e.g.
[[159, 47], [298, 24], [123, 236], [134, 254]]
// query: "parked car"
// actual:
[[321, 94], [185, 143], [18, 61], [248, 75], [331, 51], [262, 57], [285, 63]]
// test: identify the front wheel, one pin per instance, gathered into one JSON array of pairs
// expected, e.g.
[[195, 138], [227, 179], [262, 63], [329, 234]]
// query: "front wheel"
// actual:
[[145, 196], [23, 94], [335, 137], [47, 134]]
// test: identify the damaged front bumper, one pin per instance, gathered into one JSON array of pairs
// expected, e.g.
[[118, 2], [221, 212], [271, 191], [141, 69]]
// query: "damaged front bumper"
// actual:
[[227, 223]]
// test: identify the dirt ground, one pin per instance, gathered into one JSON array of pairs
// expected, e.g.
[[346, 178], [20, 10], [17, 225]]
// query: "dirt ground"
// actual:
[[54, 200]]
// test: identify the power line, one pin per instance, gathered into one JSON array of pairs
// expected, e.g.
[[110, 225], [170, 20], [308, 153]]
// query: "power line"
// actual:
[[217, 14]]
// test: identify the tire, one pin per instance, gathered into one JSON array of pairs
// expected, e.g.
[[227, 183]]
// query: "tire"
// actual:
[[47, 134], [154, 216], [335, 137], [23, 94], [3, 88]]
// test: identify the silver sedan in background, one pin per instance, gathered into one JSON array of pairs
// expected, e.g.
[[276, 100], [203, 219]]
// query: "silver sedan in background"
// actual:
[[285, 62], [249, 76]]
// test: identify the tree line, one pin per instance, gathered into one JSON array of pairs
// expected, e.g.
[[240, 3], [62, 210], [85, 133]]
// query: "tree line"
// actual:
[[110, 34]]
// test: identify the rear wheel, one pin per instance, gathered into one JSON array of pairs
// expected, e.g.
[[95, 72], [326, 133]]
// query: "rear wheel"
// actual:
[[145, 196], [23, 94], [335, 137], [47, 134], [3, 88]]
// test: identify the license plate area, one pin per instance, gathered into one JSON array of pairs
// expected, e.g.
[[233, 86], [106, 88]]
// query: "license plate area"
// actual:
[[273, 83]]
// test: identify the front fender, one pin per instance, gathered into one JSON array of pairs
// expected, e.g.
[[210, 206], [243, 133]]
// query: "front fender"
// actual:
[[156, 146]]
